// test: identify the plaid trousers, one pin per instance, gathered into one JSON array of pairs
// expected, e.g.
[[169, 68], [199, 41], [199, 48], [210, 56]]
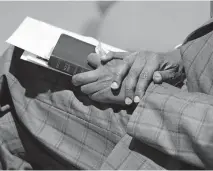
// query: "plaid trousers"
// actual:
[[46, 123]]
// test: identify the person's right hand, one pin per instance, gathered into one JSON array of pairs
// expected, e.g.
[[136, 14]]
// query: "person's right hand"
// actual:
[[140, 68]]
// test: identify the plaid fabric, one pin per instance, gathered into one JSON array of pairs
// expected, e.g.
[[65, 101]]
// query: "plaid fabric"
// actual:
[[57, 128], [50, 124], [181, 123], [126, 156], [46, 123]]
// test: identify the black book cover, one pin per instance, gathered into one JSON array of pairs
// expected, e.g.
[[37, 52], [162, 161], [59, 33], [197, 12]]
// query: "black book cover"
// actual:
[[70, 55]]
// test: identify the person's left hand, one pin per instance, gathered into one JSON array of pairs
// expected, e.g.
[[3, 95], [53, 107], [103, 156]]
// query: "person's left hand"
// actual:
[[96, 83]]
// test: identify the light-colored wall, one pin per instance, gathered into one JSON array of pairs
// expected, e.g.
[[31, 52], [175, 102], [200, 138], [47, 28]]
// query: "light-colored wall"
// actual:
[[153, 25], [126, 24], [73, 16]]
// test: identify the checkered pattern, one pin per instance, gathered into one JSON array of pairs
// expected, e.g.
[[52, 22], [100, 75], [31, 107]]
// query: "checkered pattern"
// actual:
[[46, 123], [123, 157], [69, 129], [181, 123]]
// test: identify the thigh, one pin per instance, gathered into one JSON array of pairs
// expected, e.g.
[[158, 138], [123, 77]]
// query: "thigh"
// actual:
[[62, 122], [126, 157], [12, 152]]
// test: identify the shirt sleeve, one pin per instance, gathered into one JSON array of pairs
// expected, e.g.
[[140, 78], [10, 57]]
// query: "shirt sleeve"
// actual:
[[177, 122]]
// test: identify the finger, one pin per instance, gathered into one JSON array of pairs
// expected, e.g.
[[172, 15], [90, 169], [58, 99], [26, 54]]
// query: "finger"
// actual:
[[94, 87], [160, 76], [119, 76], [4, 108], [127, 63], [105, 96], [85, 77], [157, 78], [144, 80], [113, 55], [132, 78], [94, 60]]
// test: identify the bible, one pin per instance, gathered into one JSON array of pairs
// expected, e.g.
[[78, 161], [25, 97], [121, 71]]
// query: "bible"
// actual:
[[55, 48], [69, 55]]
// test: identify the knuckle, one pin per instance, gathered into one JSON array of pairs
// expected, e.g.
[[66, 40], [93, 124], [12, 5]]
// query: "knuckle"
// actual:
[[144, 75], [139, 53], [105, 84], [127, 54], [126, 61], [117, 74], [128, 58], [129, 87], [131, 79], [140, 88], [155, 60], [139, 92], [142, 55], [133, 73], [110, 54], [155, 56], [127, 64]]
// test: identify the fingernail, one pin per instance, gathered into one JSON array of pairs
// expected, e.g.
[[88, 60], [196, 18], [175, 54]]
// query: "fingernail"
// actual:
[[157, 76], [114, 85], [136, 99], [6, 107], [128, 101]]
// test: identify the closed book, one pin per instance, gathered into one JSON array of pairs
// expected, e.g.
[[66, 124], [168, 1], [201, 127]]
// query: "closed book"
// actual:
[[70, 55]]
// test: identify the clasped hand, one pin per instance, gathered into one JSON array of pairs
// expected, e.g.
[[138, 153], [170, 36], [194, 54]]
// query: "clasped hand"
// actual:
[[123, 77]]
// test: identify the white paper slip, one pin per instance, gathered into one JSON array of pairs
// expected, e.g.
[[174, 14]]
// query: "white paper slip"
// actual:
[[40, 38], [27, 56]]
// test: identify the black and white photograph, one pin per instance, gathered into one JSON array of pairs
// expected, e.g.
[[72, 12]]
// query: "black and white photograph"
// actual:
[[106, 85]]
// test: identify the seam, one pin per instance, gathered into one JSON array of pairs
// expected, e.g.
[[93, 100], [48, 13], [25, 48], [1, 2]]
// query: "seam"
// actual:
[[196, 56], [76, 116]]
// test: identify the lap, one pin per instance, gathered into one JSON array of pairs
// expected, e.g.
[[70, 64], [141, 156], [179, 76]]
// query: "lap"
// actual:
[[58, 120], [11, 149], [58, 127]]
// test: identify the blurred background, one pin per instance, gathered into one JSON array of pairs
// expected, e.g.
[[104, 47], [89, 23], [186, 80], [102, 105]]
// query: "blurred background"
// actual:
[[130, 25]]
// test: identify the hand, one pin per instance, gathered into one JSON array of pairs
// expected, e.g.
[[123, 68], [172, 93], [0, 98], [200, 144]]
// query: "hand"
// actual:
[[140, 68], [96, 83]]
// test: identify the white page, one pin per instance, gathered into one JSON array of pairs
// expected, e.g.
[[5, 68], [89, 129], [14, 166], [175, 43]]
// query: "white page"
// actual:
[[40, 38], [27, 56]]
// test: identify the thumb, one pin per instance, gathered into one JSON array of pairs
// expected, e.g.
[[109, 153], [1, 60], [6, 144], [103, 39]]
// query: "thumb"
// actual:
[[160, 76], [94, 60]]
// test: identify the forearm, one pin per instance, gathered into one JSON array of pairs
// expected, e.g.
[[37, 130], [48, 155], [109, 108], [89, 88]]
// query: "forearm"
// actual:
[[197, 57], [177, 123], [181, 123]]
